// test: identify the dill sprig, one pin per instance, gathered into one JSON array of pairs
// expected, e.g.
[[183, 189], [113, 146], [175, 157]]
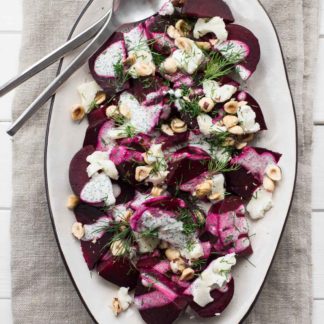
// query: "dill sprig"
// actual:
[[199, 264], [121, 74], [93, 105], [130, 131], [118, 119], [191, 107], [189, 225], [219, 166]]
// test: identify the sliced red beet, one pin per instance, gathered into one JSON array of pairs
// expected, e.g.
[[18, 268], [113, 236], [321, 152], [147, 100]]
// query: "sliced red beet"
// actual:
[[169, 141], [159, 299], [187, 164], [92, 133], [93, 251], [97, 116], [104, 142], [140, 142], [208, 9], [119, 271], [78, 169], [241, 183], [102, 64], [221, 301], [127, 192], [256, 160], [86, 214], [244, 96], [226, 221], [242, 41]]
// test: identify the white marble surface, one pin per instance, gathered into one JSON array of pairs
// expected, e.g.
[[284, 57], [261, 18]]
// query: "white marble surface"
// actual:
[[10, 29]]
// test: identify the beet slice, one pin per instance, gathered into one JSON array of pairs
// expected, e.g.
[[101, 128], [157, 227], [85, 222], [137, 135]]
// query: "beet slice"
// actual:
[[92, 133], [208, 9], [169, 141], [244, 96], [103, 61], [86, 214], [103, 141], [140, 142], [78, 169], [256, 160], [221, 300], [242, 40], [226, 221], [97, 116], [119, 271], [158, 299]]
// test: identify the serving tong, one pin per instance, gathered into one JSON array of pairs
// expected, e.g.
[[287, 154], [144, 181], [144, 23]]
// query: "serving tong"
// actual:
[[123, 12]]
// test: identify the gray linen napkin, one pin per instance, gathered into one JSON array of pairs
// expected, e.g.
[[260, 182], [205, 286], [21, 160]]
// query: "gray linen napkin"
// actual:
[[41, 289]]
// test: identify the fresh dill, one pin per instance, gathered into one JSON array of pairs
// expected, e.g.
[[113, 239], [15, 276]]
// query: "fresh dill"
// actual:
[[119, 119], [129, 131], [185, 90], [190, 226], [158, 58], [199, 264], [219, 166], [120, 74], [93, 105], [191, 107], [150, 233]]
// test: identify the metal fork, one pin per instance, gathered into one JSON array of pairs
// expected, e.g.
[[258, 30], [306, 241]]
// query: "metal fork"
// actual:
[[123, 12]]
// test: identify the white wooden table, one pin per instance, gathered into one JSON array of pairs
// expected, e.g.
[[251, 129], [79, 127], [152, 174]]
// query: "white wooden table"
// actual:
[[10, 35]]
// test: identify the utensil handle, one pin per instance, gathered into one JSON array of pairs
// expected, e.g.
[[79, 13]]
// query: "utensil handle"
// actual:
[[106, 31], [54, 56]]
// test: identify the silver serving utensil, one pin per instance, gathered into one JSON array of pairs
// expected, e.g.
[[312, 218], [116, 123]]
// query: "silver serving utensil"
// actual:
[[123, 12], [54, 56]]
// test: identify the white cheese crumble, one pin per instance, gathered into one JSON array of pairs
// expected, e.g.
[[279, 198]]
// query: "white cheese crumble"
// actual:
[[167, 9], [146, 244], [260, 203], [218, 93], [218, 182], [206, 126], [194, 252], [99, 161], [214, 25], [87, 92], [246, 117], [125, 300], [189, 61], [215, 276], [94, 231]]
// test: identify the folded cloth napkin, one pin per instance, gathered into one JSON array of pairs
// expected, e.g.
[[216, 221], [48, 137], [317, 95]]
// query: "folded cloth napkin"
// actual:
[[41, 289]]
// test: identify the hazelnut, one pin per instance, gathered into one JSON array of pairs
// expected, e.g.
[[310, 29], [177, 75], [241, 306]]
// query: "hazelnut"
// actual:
[[130, 60], [77, 112], [229, 141], [100, 97], [142, 172], [125, 110], [116, 307], [72, 201], [183, 27], [184, 44], [78, 230], [172, 32], [166, 129], [231, 107], [240, 145], [206, 46], [203, 189], [172, 254], [128, 214], [268, 184], [178, 126], [187, 274], [206, 104], [117, 248], [177, 265], [111, 111], [236, 130], [273, 172], [144, 69], [230, 121], [247, 138], [157, 191], [169, 66]]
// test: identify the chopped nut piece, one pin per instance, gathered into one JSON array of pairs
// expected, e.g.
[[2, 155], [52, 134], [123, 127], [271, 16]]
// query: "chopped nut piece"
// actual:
[[273, 172], [77, 112], [125, 110], [204, 45], [163, 245], [173, 32], [203, 189], [268, 184], [127, 215], [144, 69], [183, 27], [130, 60], [78, 230], [100, 97], [178, 126], [236, 130], [72, 201], [229, 141], [157, 191], [169, 66], [206, 104], [172, 254], [247, 138], [215, 196], [117, 248], [112, 111], [116, 307], [177, 265], [231, 107], [187, 274], [184, 44], [142, 172], [230, 121], [166, 129], [240, 145]]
